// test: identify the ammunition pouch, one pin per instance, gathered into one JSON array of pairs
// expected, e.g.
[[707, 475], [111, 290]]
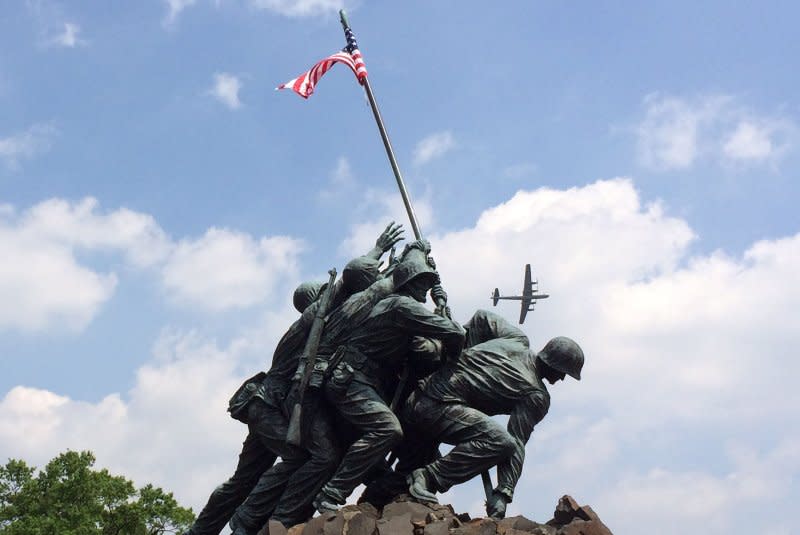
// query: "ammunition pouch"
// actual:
[[250, 389]]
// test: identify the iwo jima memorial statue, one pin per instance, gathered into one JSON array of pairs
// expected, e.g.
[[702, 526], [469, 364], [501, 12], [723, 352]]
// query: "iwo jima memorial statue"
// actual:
[[367, 383]]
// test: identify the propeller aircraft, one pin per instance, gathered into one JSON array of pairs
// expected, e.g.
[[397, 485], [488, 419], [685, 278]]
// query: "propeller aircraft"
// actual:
[[528, 297]]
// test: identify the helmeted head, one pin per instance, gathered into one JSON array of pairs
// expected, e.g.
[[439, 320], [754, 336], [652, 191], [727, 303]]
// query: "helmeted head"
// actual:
[[306, 293], [359, 274], [415, 272], [563, 355]]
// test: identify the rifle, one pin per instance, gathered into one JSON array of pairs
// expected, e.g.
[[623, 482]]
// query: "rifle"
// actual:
[[294, 435]]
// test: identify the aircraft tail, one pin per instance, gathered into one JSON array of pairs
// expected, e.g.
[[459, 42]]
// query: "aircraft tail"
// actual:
[[495, 296]]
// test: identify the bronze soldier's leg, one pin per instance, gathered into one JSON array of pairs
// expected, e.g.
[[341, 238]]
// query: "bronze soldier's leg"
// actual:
[[380, 429], [269, 426], [253, 461], [479, 441], [295, 503]]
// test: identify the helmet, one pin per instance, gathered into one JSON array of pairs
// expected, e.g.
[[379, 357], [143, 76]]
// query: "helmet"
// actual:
[[564, 355], [359, 274], [414, 263], [305, 294]]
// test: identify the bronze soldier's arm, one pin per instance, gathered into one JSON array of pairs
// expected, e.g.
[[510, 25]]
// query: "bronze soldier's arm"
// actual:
[[523, 419], [415, 319]]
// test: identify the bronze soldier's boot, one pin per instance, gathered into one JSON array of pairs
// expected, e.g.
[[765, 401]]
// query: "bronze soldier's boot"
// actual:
[[325, 504], [419, 487], [237, 528]]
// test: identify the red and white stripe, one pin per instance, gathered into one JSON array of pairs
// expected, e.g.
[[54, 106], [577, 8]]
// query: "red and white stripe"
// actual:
[[304, 84]]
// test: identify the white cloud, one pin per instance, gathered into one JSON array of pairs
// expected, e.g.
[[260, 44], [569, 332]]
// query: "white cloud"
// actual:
[[676, 132], [25, 145], [46, 283], [175, 8], [287, 8], [687, 398], [758, 140], [42, 286], [669, 134], [342, 182], [226, 90], [300, 8], [376, 209], [679, 501], [42, 283], [433, 146], [67, 37], [176, 407], [81, 225], [226, 269]]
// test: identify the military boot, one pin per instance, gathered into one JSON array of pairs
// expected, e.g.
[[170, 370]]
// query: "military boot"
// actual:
[[419, 487]]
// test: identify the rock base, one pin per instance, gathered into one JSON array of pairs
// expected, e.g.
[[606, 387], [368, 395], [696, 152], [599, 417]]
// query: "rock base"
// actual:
[[405, 516]]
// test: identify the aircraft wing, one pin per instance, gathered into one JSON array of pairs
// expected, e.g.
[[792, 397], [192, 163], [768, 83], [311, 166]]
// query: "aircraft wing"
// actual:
[[525, 306], [527, 287]]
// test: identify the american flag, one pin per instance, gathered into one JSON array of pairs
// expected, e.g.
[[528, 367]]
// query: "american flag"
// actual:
[[304, 84]]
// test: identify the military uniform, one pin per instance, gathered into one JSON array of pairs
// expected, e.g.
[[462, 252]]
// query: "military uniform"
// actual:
[[496, 374], [261, 407], [285, 491], [365, 377]]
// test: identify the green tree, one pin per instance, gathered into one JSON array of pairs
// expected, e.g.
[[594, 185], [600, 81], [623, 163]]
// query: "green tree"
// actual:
[[69, 497]]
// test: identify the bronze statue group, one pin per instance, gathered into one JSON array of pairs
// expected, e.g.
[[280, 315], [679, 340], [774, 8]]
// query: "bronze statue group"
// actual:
[[389, 382]]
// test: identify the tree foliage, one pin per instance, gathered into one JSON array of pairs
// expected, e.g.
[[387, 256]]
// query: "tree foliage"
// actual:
[[69, 497]]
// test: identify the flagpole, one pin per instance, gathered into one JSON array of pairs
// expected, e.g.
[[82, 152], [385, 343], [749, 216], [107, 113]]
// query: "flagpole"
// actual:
[[386, 143], [487, 481]]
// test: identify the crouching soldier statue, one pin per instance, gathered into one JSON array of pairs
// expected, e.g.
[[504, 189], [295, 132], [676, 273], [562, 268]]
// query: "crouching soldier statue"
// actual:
[[497, 373]]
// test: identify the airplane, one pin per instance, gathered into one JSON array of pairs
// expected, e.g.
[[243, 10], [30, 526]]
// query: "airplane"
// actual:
[[528, 297]]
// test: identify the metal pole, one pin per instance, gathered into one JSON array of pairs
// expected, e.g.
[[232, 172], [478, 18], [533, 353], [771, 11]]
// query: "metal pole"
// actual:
[[486, 478], [393, 161], [387, 145]]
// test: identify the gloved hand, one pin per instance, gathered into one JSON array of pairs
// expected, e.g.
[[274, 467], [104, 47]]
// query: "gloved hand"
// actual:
[[496, 505]]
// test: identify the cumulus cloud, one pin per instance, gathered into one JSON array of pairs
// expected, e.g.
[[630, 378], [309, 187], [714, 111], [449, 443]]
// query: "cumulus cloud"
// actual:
[[433, 146], [226, 90], [227, 269], [177, 405], [681, 501], [687, 395], [676, 345], [42, 283], [26, 145], [47, 283], [677, 132]]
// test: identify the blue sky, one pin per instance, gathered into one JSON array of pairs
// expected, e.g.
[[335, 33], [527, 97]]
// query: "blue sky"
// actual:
[[159, 201]]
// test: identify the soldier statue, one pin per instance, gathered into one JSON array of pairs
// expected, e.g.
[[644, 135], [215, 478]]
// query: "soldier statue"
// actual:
[[366, 364], [260, 403], [497, 373]]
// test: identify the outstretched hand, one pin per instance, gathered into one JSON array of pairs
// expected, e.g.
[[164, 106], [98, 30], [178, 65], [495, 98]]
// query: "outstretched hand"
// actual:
[[390, 236]]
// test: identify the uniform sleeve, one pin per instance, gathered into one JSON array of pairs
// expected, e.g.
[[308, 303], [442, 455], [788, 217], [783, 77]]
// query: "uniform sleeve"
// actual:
[[415, 319], [485, 325], [293, 341], [529, 412]]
